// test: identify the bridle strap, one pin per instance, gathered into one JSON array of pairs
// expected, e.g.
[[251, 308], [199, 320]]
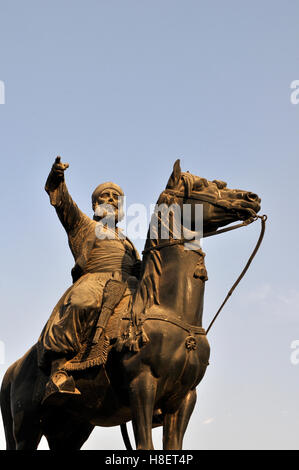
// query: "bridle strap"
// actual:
[[201, 197]]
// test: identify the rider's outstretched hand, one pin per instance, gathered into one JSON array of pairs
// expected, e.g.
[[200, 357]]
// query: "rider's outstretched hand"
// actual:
[[59, 168], [56, 176]]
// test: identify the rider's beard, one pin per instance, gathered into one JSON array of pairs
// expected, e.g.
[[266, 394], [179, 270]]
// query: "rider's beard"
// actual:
[[106, 212]]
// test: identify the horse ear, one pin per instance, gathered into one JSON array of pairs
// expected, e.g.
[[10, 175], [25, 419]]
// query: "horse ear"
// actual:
[[175, 175]]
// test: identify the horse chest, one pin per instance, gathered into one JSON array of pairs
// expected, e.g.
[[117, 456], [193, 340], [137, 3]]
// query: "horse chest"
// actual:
[[183, 363]]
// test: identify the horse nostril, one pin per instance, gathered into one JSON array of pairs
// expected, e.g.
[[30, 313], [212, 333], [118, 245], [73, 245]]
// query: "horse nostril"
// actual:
[[252, 197]]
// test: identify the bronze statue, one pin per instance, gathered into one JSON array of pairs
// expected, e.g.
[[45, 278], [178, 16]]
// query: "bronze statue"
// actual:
[[123, 343]]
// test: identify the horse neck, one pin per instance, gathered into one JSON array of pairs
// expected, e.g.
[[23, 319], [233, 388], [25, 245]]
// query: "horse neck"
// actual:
[[179, 291], [168, 284]]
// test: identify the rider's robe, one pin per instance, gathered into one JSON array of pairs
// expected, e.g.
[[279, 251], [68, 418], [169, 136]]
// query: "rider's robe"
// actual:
[[96, 261]]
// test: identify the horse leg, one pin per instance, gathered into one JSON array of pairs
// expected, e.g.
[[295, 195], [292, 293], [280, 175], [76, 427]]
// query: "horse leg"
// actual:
[[142, 398], [73, 441], [8, 428], [27, 429], [175, 424], [65, 433], [7, 416]]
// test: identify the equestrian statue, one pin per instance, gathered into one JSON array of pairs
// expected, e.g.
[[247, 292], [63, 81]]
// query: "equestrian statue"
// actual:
[[125, 342]]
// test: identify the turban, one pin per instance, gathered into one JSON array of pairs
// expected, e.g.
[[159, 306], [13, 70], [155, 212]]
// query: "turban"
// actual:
[[109, 185]]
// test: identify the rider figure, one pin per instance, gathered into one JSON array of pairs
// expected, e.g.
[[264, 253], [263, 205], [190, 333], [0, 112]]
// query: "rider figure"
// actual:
[[98, 259]]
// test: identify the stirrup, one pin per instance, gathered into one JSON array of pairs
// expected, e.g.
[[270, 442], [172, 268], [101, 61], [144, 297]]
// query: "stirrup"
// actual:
[[60, 383]]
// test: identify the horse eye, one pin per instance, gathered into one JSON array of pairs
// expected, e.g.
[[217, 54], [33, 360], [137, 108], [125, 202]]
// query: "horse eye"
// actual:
[[220, 184], [198, 184]]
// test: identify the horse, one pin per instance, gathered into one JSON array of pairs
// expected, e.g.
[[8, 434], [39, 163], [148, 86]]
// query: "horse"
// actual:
[[152, 371]]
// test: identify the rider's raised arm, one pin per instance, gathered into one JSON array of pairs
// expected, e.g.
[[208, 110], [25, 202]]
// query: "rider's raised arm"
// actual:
[[67, 210]]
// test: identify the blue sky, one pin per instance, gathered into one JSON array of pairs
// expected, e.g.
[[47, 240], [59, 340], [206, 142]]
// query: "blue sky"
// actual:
[[121, 89]]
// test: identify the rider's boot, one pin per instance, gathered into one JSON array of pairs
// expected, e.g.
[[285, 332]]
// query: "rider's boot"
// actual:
[[60, 382]]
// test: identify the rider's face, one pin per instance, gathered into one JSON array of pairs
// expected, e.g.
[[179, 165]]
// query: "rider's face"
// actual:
[[109, 198]]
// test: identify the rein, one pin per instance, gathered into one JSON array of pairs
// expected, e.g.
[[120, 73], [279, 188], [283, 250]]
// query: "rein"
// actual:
[[263, 219], [246, 222], [181, 241]]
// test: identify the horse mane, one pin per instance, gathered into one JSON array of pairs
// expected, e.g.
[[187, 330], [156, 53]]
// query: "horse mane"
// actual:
[[148, 289]]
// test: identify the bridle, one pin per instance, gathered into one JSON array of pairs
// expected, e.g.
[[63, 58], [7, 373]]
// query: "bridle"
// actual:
[[248, 221]]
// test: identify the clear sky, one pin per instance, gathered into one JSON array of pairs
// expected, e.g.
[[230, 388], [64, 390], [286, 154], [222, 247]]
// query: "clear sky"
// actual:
[[121, 89]]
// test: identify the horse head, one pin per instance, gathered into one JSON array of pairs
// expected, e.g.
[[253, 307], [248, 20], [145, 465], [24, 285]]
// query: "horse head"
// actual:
[[221, 205]]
